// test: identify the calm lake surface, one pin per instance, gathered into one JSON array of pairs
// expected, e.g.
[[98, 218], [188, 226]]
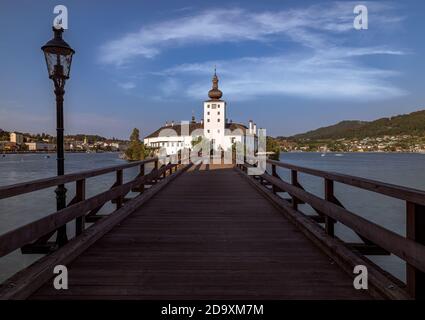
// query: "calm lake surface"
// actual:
[[402, 169]]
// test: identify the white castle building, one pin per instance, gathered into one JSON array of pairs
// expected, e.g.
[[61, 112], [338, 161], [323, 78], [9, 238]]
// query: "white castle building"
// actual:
[[215, 127]]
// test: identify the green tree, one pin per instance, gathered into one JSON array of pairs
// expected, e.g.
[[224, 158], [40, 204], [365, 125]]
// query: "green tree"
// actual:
[[273, 146], [136, 149], [196, 141]]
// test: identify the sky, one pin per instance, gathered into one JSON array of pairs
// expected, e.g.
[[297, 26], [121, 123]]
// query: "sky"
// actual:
[[290, 66]]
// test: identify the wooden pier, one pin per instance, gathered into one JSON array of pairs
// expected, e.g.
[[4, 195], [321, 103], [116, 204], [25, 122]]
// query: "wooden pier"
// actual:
[[210, 231]]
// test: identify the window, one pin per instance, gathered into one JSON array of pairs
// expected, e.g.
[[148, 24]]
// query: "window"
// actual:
[[208, 120], [218, 112], [208, 131], [218, 120], [214, 106], [208, 113], [218, 130], [208, 106]]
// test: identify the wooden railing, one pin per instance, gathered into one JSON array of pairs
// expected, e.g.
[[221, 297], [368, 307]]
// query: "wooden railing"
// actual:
[[376, 239], [34, 237]]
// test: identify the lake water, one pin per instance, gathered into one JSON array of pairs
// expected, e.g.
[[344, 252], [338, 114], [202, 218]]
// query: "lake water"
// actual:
[[20, 210], [397, 168], [402, 169]]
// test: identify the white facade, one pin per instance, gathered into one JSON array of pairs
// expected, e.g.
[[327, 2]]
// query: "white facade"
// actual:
[[215, 123], [170, 141], [222, 134], [40, 146], [17, 138]]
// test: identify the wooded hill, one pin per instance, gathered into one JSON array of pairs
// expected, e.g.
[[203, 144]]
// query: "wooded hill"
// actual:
[[409, 124]]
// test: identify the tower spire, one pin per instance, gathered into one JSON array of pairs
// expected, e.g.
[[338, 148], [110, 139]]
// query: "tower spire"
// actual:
[[215, 93]]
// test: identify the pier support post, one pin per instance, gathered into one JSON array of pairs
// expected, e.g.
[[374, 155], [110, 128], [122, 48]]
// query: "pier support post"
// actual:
[[294, 181], [415, 224], [119, 182], [274, 174], [329, 196], [80, 195], [156, 170], [142, 173]]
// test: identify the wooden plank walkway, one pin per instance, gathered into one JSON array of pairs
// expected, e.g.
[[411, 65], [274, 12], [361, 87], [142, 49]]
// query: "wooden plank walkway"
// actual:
[[208, 235]]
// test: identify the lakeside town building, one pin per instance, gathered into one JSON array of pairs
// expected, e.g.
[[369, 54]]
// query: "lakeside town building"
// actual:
[[17, 138], [40, 146]]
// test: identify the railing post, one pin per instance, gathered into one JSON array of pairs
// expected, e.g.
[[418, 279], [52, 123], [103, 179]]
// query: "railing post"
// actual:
[[156, 169], [142, 173], [294, 181], [274, 174], [244, 156], [329, 196], [118, 183], [80, 195], [415, 224], [164, 174]]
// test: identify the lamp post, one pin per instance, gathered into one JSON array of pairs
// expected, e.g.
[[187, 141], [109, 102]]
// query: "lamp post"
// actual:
[[58, 56]]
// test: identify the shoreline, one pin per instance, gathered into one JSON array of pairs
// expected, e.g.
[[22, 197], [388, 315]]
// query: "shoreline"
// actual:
[[356, 152], [51, 152], [2, 154]]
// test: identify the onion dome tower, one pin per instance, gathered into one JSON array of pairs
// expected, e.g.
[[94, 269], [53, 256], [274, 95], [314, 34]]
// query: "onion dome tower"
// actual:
[[215, 93]]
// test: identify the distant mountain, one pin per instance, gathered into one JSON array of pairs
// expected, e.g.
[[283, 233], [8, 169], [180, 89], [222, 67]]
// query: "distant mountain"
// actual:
[[340, 129], [409, 124]]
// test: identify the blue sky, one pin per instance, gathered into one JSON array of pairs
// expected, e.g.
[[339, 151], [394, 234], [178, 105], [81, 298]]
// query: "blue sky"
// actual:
[[291, 66]]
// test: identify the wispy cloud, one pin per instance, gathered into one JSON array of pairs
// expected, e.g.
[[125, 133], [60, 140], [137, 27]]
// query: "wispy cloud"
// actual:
[[127, 85], [309, 26], [330, 68], [319, 76]]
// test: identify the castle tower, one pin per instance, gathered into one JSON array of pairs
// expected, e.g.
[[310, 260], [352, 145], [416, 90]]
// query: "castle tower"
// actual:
[[215, 115]]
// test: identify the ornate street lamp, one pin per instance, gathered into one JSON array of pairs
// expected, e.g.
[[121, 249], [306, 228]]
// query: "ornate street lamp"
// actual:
[[58, 56]]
